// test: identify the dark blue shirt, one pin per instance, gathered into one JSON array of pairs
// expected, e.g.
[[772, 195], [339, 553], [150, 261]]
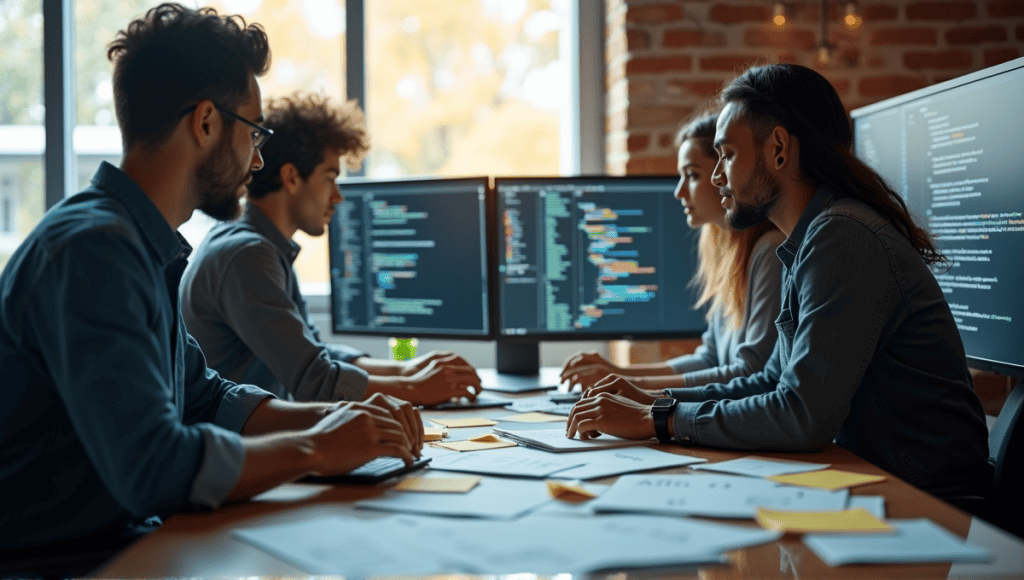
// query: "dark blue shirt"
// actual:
[[110, 414], [868, 355]]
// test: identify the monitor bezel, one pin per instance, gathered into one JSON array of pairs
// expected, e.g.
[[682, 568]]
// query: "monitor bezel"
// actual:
[[974, 362], [574, 336], [490, 262]]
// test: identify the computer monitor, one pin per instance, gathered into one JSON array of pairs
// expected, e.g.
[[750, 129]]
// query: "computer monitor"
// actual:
[[955, 151], [588, 258], [410, 259]]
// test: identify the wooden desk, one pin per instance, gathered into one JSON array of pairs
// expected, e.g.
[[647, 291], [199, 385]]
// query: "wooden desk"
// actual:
[[201, 544]]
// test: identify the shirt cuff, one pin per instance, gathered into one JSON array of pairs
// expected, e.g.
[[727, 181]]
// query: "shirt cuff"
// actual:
[[352, 383], [683, 419], [687, 395], [223, 459], [237, 404]]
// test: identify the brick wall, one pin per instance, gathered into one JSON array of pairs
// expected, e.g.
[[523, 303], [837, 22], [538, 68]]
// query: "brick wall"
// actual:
[[665, 58]]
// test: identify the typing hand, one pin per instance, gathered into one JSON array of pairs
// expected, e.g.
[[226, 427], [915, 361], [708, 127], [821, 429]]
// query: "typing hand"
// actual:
[[616, 385], [415, 365], [354, 434], [441, 381], [610, 414], [405, 414], [587, 368]]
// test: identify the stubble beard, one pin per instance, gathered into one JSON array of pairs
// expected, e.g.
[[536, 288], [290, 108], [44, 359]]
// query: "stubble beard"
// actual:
[[218, 180], [766, 191]]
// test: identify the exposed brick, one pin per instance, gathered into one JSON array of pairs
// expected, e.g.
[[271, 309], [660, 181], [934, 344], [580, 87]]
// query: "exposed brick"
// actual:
[[994, 56], [796, 39], [651, 166], [616, 121], [729, 14], [658, 64], [876, 61], [842, 86], [641, 90], [889, 86], [637, 40], [729, 63], [681, 37], [878, 12], [666, 140], [975, 35], [638, 142], [787, 57], [656, 116], [654, 13], [889, 36], [941, 10], [700, 88], [1006, 8], [941, 60]]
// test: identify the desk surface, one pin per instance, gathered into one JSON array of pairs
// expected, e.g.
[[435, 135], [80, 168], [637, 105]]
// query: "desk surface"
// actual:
[[201, 544]]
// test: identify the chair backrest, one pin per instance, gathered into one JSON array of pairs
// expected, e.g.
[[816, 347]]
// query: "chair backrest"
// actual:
[[1006, 448]]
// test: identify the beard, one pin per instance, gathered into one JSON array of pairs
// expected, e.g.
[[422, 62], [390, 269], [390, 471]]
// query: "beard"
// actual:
[[765, 191], [218, 180]]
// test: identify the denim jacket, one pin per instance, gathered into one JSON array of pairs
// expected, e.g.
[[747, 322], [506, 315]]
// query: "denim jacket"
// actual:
[[868, 356]]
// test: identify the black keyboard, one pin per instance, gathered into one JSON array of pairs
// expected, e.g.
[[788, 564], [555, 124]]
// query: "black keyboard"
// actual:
[[374, 471]]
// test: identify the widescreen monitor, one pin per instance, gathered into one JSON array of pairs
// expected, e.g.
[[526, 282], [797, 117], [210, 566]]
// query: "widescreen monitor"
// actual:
[[585, 258], [955, 151], [410, 259]]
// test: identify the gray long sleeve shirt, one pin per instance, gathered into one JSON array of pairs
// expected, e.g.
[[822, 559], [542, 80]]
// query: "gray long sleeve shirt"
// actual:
[[727, 352], [868, 355], [240, 299]]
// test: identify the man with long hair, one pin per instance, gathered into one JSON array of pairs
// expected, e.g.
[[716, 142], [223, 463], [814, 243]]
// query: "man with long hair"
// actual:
[[111, 415], [868, 353], [240, 295]]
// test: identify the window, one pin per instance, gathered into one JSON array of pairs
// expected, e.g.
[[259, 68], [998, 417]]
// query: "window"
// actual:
[[465, 88], [21, 122]]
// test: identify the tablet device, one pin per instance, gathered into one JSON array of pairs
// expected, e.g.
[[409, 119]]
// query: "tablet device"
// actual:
[[374, 471]]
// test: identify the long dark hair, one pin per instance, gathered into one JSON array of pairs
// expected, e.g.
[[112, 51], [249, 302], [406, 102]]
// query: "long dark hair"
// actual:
[[805, 104]]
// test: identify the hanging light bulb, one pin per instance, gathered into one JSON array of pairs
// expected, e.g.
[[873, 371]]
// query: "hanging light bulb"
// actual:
[[824, 54], [852, 19], [779, 14]]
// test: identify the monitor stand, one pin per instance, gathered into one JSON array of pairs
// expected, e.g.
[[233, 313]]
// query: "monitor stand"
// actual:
[[518, 358]]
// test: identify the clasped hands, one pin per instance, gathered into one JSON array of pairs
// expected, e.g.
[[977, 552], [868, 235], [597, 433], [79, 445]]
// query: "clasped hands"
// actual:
[[613, 406]]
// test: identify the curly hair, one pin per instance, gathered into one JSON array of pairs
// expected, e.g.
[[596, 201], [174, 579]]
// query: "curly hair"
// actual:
[[305, 127], [174, 57]]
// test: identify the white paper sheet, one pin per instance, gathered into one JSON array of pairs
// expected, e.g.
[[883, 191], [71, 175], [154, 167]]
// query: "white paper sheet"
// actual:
[[513, 461], [547, 545], [724, 496], [761, 467], [606, 462], [555, 441], [492, 498], [915, 541]]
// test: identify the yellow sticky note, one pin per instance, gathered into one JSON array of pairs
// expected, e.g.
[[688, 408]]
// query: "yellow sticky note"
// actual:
[[569, 492], [458, 484], [855, 520], [476, 444], [465, 422], [434, 433], [535, 417], [830, 479]]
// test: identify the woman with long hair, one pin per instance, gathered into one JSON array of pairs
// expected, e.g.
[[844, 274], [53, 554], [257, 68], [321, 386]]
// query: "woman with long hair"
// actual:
[[739, 279]]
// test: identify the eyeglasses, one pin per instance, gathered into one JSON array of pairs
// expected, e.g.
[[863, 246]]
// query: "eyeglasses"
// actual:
[[260, 133]]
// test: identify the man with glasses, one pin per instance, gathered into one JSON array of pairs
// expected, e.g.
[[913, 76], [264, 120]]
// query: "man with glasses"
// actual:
[[240, 295], [110, 414]]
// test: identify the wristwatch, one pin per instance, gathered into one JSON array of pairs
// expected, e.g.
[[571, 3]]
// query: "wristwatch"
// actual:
[[661, 410]]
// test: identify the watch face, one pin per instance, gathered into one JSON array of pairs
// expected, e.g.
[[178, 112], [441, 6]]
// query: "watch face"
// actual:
[[664, 403]]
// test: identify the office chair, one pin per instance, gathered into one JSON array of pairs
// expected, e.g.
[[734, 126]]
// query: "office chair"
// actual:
[[1006, 454]]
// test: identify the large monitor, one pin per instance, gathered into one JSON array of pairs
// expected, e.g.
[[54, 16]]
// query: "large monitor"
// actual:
[[587, 258], [956, 153], [410, 258]]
